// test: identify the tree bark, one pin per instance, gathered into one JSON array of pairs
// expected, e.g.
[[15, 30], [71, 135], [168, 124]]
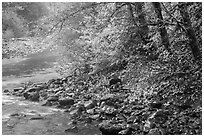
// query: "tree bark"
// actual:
[[162, 29], [193, 42]]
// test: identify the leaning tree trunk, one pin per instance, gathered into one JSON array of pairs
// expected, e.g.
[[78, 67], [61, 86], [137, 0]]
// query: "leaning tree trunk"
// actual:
[[162, 29], [193, 42]]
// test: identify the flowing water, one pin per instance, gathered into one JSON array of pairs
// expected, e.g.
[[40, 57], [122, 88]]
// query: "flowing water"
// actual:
[[21, 117]]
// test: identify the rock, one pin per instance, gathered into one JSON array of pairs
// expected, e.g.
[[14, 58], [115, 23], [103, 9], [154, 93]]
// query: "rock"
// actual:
[[148, 125], [114, 81], [109, 110], [31, 96], [17, 89], [95, 117], [90, 104], [17, 115], [74, 122], [46, 103], [74, 112], [107, 97], [68, 101], [34, 96], [26, 95], [58, 81], [77, 111], [50, 82], [53, 98], [71, 95], [57, 89], [37, 118], [14, 115], [154, 131], [64, 79], [6, 91], [52, 85], [90, 111], [73, 129], [156, 104], [88, 119], [33, 89], [107, 128], [125, 132], [159, 116], [58, 93]]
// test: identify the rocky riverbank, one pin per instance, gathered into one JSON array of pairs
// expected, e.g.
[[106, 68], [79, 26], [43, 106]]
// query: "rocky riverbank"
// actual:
[[115, 109]]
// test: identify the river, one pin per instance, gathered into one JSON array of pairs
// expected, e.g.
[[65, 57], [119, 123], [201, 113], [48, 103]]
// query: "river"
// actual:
[[21, 117]]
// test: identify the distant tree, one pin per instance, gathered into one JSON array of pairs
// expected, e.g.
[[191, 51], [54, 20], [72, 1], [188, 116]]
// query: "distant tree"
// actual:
[[162, 29], [193, 42]]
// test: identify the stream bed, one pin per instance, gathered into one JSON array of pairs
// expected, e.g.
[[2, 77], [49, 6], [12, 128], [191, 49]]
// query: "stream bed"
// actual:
[[21, 117]]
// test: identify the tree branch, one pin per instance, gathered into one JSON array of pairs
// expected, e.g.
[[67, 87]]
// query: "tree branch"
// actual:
[[179, 23], [62, 21]]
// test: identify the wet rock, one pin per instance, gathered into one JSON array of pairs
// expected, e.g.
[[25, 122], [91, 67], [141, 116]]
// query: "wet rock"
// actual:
[[17, 115], [33, 89], [68, 101], [37, 118], [26, 95], [6, 91], [107, 128], [17, 89]]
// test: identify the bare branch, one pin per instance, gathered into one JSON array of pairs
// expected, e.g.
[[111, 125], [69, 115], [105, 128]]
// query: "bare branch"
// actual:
[[178, 22], [62, 21]]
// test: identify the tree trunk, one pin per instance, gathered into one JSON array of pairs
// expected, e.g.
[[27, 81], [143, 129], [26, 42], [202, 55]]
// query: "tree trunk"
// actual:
[[162, 29], [193, 42], [131, 14], [141, 16], [143, 31]]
